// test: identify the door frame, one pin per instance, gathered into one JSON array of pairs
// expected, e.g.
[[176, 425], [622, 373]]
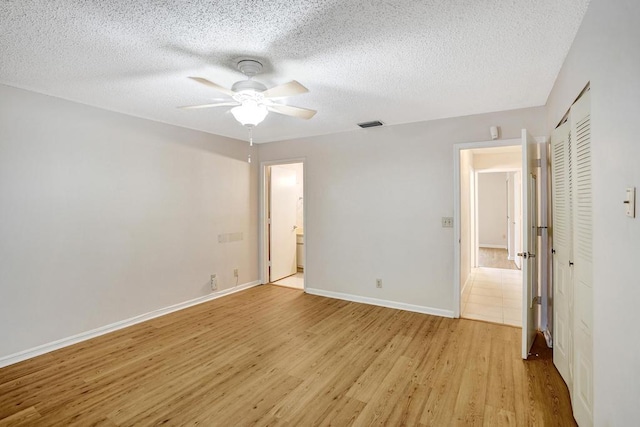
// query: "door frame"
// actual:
[[457, 148], [263, 207]]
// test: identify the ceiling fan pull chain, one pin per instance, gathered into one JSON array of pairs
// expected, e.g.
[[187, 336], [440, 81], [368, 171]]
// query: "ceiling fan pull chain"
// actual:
[[250, 142]]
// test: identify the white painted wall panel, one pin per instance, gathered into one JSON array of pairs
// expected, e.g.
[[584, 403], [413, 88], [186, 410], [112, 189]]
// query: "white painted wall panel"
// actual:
[[605, 53], [375, 199], [492, 210], [106, 216]]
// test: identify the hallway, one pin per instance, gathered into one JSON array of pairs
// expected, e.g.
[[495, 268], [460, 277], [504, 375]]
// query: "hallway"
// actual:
[[493, 295]]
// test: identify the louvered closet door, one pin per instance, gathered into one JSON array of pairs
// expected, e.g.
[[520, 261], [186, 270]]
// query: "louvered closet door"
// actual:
[[562, 242], [582, 396]]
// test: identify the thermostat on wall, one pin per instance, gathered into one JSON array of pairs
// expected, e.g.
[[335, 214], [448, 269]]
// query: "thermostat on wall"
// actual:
[[630, 202]]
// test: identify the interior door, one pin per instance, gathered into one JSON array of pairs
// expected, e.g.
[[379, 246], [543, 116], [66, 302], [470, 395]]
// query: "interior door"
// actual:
[[282, 214], [517, 216], [529, 240], [582, 397], [562, 237]]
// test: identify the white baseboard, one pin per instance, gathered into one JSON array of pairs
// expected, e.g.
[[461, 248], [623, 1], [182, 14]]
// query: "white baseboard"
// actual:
[[64, 342], [381, 302], [482, 245]]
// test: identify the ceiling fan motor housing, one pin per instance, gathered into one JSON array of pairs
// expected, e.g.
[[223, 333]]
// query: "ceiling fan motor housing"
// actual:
[[248, 85], [249, 67]]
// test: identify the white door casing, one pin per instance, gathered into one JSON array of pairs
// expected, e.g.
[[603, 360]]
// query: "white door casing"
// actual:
[[529, 240], [282, 213], [562, 243]]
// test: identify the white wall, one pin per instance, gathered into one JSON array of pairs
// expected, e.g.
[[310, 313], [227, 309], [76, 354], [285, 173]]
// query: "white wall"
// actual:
[[497, 161], [106, 216], [606, 53], [375, 199], [492, 210]]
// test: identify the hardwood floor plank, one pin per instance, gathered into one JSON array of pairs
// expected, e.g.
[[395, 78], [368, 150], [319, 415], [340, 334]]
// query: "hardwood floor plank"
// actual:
[[494, 417], [24, 417], [278, 357], [470, 403], [388, 395]]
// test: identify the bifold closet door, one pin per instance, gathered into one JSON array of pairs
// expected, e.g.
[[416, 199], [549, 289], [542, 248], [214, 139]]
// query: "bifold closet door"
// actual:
[[572, 258], [582, 396], [562, 242]]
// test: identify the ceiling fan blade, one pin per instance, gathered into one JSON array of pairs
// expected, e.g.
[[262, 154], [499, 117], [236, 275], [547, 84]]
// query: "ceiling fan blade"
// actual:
[[213, 85], [219, 104], [287, 89], [288, 110]]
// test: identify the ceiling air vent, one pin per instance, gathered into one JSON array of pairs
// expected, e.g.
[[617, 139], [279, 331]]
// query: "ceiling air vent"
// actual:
[[370, 124]]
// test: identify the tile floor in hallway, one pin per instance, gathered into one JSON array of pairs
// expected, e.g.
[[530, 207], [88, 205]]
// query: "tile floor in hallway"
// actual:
[[493, 295], [295, 281]]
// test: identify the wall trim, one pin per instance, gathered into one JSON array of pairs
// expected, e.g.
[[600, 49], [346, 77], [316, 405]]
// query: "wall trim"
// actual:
[[102, 330], [380, 302], [486, 245]]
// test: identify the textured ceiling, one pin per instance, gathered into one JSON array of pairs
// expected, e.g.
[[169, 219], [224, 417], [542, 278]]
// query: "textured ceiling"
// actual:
[[394, 61]]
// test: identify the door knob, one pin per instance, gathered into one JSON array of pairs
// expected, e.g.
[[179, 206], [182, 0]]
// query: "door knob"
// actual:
[[526, 255]]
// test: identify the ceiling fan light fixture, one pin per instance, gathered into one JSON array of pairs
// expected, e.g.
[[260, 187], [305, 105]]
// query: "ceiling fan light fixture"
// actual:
[[250, 113]]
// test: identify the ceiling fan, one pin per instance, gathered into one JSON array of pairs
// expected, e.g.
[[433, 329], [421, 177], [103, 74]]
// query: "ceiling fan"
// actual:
[[252, 100]]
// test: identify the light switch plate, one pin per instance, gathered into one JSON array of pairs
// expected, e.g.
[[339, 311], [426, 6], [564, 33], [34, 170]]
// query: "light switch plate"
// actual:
[[630, 202]]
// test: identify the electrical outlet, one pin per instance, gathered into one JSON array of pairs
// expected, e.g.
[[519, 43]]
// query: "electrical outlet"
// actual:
[[214, 282], [447, 222], [235, 272], [378, 283]]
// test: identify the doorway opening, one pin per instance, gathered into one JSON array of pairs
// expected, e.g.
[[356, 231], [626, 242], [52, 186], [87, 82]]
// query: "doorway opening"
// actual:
[[532, 259], [491, 206], [284, 224]]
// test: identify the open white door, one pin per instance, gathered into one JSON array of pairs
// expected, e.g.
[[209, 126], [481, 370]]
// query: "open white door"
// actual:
[[517, 216], [282, 232], [529, 240]]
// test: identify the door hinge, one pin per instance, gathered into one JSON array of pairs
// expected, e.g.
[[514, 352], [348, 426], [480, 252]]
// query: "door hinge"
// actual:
[[540, 229], [537, 300], [538, 163]]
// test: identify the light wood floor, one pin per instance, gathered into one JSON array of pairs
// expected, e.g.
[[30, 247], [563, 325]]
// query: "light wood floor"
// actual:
[[276, 356]]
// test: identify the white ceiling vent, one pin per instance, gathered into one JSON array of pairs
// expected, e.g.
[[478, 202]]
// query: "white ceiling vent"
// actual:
[[372, 124]]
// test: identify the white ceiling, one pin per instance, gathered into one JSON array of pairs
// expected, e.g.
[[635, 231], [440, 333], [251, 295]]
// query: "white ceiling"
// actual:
[[394, 61]]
